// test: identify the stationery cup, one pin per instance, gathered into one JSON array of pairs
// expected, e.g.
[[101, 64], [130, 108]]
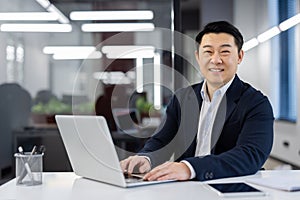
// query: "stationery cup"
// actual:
[[29, 169]]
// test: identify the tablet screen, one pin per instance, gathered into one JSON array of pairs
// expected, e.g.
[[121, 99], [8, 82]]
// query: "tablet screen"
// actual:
[[238, 189]]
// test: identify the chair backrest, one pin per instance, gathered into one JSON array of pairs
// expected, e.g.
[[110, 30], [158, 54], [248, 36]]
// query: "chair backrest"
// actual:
[[15, 107]]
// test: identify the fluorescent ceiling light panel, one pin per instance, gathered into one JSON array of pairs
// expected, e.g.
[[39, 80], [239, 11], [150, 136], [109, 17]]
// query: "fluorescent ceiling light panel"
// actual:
[[128, 52], [250, 44], [72, 49], [139, 74], [117, 27], [72, 52], [112, 15], [115, 77], [44, 3], [157, 82], [36, 28], [290, 22], [77, 55], [28, 16], [61, 17], [268, 34]]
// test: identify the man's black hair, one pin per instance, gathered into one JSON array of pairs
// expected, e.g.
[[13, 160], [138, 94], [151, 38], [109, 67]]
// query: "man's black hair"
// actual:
[[221, 27]]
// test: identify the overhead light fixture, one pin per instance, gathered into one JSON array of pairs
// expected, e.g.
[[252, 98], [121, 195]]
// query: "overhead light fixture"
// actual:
[[114, 77], [28, 16], [73, 49], [250, 44], [268, 34], [72, 52], [128, 52], [112, 15], [61, 17], [77, 55], [139, 74], [44, 3], [283, 26], [157, 82], [52, 9], [35, 28], [290, 22], [117, 27]]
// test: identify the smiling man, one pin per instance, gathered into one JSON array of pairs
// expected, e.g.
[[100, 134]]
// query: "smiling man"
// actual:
[[221, 127]]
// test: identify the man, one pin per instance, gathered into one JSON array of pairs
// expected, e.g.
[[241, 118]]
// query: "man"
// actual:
[[219, 128]]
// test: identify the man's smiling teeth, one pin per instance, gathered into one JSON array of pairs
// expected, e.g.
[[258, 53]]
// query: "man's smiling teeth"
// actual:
[[216, 70]]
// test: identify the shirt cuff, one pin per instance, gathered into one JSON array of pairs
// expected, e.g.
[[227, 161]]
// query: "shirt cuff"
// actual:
[[193, 173], [148, 160]]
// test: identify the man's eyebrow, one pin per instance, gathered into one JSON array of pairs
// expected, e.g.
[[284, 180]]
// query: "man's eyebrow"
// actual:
[[226, 45], [207, 46], [223, 45]]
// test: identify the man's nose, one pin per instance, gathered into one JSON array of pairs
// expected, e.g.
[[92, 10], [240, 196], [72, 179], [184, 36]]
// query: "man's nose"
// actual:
[[216, 59]]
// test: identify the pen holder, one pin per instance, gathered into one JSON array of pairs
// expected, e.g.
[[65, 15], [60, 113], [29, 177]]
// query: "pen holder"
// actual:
[[29, 169]]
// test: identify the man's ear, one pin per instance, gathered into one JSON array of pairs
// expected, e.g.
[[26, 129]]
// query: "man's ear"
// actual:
[[241, 56], [197, 55]]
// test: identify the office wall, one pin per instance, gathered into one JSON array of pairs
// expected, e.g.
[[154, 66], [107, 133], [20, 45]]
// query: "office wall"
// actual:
[[259, 68]]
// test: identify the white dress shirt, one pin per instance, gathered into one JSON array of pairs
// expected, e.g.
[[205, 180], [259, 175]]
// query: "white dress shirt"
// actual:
[[207, 117]]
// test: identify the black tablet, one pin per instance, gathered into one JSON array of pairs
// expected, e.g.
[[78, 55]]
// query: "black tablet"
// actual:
[[235, 189]]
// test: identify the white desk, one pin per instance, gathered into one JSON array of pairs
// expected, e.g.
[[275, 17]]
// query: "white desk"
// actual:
[[68, 186]]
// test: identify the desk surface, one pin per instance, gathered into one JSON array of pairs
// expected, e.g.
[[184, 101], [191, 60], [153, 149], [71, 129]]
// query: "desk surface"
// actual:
[[68, 186]]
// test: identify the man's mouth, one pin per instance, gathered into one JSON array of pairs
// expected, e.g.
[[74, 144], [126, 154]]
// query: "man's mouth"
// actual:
[[216, 70]]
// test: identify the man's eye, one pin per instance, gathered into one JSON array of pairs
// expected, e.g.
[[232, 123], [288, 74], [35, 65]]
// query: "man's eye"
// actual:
[[225, 52], [207, 51]]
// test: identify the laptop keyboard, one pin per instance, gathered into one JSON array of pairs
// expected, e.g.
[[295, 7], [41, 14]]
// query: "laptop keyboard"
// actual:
[[133, 178]]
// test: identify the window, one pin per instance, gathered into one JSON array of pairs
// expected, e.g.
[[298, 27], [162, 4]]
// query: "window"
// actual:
[[287, 64]]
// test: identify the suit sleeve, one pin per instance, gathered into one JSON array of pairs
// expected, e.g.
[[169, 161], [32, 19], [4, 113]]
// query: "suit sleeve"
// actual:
[[159, 147], [253, 128]]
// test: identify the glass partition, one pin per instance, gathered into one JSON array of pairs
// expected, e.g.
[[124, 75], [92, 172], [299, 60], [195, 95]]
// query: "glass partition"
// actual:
[[103, 55]]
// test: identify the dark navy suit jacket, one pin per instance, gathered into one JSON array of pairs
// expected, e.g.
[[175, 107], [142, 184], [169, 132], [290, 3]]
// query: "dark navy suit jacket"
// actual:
[[242, 134]]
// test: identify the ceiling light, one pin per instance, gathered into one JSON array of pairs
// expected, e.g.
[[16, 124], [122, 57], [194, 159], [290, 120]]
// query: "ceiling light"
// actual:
[[250, 44], [117, 27], [77, 55], [35, 27], [157, 82], [290, 22], [112, 15], [268, 34], [28, 16], [72, 52], [285, 25], [44, 3], [128, 52], [52, 9], [139, 74], [114, 78], [61, 17], [62, 49]]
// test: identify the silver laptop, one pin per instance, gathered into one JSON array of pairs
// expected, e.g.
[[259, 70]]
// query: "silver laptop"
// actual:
[[91, 151]]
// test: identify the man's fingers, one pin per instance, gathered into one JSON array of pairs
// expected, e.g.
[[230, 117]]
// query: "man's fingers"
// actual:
[[124, 164], [145, 167], [133, 162]]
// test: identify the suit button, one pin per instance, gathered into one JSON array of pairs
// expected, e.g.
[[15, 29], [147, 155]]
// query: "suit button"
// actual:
[[209, 175]]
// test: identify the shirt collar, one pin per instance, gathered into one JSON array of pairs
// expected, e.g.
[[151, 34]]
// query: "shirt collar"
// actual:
[[221, 91]]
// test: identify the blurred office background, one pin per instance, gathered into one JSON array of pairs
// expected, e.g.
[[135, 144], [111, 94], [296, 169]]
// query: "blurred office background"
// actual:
[[57, 59]]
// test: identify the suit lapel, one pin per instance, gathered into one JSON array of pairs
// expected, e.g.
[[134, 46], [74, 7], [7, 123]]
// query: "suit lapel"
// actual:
[[225, 109]]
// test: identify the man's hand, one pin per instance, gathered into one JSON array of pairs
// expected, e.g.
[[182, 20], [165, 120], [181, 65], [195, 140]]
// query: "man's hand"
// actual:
[[169, 171], [142, 164]]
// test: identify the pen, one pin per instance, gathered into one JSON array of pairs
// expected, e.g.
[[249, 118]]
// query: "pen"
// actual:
[[41, 149], [26, 165]]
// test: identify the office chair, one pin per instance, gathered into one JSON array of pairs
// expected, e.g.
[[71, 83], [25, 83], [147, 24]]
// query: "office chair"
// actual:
[[15, 106]]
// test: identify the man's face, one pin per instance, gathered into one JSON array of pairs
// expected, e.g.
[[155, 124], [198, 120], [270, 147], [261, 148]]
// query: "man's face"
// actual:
[[218, 58]]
